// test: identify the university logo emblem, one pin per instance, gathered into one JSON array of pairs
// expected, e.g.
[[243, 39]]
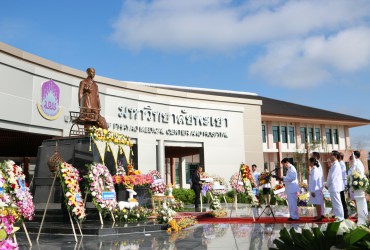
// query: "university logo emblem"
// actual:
[[49, 106]]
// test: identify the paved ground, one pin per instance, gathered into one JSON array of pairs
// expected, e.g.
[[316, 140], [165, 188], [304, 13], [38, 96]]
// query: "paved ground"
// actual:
[[201, 236]]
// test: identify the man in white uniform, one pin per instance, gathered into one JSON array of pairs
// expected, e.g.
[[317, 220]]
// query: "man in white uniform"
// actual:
[[291, 188], [316, 155], [334, 184], [344, 179]]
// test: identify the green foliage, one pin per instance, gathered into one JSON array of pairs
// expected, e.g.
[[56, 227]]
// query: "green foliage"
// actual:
[[356, 238], [185, 195]]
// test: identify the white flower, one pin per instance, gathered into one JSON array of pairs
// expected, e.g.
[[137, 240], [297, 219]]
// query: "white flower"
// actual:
[[102, 205], [165, 218], [137, 215], [125, 216], [93, 193], [355, 183]]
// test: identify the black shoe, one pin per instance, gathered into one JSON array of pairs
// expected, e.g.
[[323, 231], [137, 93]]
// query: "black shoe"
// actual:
[[317, 219], [291, 219]]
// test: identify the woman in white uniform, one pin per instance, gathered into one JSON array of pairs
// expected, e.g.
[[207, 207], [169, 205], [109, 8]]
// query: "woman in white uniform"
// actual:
[[315, 186]]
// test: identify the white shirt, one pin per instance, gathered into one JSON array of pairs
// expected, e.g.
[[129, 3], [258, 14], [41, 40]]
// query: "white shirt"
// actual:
[[315, 183], [290, 180], [334, 181], [255, 176]]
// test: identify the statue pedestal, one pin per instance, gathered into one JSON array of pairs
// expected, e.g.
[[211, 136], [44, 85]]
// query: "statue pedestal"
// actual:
[[73, 150]]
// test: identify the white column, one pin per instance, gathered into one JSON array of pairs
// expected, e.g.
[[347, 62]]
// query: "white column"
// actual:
[[182, 162], [161, 159]]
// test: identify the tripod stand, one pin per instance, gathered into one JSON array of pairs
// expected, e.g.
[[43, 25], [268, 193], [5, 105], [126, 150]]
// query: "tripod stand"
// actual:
[[268, 209]]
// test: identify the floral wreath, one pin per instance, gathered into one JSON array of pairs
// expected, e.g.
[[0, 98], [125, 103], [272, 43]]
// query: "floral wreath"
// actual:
[[156, 186], [18, 190], [100, 180], [236, 183], [69, 178], [9, 215], [249, 183], [222, 182]]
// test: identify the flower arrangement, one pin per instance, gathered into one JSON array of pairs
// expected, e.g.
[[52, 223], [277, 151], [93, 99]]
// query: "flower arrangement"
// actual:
[[133, 177], [215, 203], [247, 175], [109, 136], [165, 214], [219, 213], [175, 226], [279, 188], [17, 188], [176, 205], [303, 185], [157, 186], [358, 181], [236, 183], [264, 178], [220, 186], [132, 215], [69, 179], [99, 180]]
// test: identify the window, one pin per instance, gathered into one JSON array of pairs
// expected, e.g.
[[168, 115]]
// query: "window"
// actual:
[[317, 134], [335, 135], [291, 135], [275, 133], [284, 135], [263, 133], [328, 136], [303, 135], [310, 135]]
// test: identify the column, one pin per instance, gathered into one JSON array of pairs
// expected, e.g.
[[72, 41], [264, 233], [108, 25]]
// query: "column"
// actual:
[[173, 170], [182, 162], [161, 159]]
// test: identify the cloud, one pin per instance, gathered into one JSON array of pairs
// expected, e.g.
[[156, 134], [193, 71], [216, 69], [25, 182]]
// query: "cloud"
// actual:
[[308, 62], [223, 25], [303, 43]]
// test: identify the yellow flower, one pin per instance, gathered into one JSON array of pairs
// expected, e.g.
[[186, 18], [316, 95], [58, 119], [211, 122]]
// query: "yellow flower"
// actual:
[[361, 183]]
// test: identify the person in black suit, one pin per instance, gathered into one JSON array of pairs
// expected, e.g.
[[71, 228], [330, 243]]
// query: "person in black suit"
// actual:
[[196, 185]]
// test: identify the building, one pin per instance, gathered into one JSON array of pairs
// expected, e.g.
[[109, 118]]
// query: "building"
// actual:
[[173, 129]]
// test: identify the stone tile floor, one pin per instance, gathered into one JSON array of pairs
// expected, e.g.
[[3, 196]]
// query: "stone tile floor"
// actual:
[[201, 236]]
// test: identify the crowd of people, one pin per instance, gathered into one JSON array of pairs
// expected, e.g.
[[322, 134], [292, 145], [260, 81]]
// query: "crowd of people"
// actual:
[[336, 184]]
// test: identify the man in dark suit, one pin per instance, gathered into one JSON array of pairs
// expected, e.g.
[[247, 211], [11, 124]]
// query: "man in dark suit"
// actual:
[[196, 185]]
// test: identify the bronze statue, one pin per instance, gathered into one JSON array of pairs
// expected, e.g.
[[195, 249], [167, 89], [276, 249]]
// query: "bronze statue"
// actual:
[[88, 98]]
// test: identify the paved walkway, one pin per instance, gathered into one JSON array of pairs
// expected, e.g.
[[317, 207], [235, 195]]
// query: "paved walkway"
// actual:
[[202, 236]]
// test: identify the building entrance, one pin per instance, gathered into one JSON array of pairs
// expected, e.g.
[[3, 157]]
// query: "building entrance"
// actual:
[[181, 162]]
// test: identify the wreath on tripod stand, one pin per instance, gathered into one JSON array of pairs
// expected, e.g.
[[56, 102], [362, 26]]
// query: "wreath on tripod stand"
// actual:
[[248, 183]]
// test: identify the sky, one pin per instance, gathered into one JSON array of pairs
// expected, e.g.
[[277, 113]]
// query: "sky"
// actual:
[[314, 53]]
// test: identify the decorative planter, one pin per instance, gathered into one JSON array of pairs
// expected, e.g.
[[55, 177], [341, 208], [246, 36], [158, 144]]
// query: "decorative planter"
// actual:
[[361, 205]]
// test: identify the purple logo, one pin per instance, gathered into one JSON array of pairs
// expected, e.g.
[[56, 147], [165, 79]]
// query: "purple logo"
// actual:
[[49, 106]]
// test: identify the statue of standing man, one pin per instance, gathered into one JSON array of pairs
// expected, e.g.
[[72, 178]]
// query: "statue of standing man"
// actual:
[[88, 98]]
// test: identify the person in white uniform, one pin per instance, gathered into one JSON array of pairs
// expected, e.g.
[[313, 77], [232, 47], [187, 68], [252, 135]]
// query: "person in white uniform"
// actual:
[[315, 186], [334, 184], [344, 179], [291, 188], [316, 155]]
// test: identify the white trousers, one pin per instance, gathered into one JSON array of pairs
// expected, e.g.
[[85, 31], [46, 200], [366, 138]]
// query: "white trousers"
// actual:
[[337, 205], [323, 206], [292, 204]]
